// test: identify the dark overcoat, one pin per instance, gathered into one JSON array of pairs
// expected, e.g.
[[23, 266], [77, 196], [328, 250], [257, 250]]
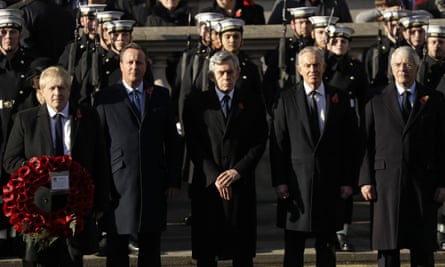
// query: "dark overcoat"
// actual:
[[31, 137], [224, 228], [313, 171], [405, 163], [143, 156]]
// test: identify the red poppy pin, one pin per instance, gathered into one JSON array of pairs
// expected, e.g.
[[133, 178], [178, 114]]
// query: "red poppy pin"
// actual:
[[241, 105], [238, 13], [424, 99], [149, 90], [334, 99], [79, 114]]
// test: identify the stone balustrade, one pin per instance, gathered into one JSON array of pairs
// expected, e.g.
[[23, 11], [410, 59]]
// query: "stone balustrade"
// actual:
[[163, 42]]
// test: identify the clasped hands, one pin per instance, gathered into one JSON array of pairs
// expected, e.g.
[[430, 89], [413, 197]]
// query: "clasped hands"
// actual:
[[224, 181]]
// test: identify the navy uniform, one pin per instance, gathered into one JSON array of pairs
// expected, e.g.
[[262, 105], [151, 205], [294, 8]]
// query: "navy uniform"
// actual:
[[14, 64], [108, 70], [274, 78], [432, 67], [319, 25], [250, 75], [414, 23], [376, 58], [347, 74], [431, 73], [192, 59], [73, 51]]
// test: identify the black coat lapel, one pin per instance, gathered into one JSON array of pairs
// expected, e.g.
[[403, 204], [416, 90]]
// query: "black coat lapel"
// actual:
[[392, 103], [303, 108], [43, 120]]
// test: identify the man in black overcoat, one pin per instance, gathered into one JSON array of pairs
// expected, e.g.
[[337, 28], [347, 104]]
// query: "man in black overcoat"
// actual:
[[33, 135], [403, 173], [312, 161], [143, 145], [225, 130]]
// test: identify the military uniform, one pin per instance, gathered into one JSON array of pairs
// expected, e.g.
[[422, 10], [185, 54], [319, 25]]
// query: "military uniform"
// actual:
[[73, 51], [274, 78], [431, 71], [376, 58], [273, 72], [376, 62], [13, 69]]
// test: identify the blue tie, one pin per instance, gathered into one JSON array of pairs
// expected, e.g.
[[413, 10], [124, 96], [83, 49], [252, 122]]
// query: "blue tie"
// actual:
[[59, 150], [135, 101]]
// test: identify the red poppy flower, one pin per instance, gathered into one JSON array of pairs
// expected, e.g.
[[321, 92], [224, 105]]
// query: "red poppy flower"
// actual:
[[424, 99], [241, 105], [149, 90], [334, 99]]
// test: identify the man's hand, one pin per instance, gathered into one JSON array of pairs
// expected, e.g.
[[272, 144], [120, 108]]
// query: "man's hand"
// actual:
[[171, 193], [368, 192], [282, 191], [226, 178], [224, 192], [346, 191], [439, 196]]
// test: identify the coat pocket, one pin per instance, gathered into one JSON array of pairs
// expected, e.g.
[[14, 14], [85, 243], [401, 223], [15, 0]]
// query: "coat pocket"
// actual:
[[379, 164]]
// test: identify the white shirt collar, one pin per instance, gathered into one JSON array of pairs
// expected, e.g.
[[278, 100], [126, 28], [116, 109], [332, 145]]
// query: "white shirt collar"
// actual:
[[308, 89], [129, 89], [221, 94], [64, 112], [411, 89]]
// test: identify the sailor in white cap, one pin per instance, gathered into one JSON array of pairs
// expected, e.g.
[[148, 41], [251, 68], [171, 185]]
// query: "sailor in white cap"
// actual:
[[204, 22], [319, 25], [348, 74], [102, 17], [432, 67], [231, 35], [376, 58], [120, 33], [413, 32], [83, 41], [301, 25], [14, 65]]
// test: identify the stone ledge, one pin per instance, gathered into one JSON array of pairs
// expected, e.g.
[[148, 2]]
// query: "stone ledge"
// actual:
[[269, 259]]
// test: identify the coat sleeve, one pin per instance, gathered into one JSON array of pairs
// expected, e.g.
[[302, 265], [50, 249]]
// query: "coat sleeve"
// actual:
[[196, 141], [15, 149], [279, 146], [257, 141], [367, 165]]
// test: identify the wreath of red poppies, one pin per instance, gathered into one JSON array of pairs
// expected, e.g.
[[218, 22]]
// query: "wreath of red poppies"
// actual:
[[39, 227]]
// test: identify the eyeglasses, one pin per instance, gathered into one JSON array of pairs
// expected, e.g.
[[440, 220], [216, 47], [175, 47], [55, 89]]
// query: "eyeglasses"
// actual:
[[407, 66]]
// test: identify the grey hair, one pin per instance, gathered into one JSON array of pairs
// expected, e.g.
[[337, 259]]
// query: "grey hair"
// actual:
[[310, 49], [219, 57], [406, 51]]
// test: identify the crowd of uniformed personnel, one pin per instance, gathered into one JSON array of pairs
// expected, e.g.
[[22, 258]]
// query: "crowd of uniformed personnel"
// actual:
[[91, 54]]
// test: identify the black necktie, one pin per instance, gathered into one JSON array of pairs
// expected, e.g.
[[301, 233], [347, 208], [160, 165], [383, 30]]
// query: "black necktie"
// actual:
[[226, 105], [59, 135], [406, 105], [136, 103], [314, 120]]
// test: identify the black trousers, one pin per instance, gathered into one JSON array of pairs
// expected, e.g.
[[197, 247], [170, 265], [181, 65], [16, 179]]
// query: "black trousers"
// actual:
[[149, 250], [418, 258], [295, 243]]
